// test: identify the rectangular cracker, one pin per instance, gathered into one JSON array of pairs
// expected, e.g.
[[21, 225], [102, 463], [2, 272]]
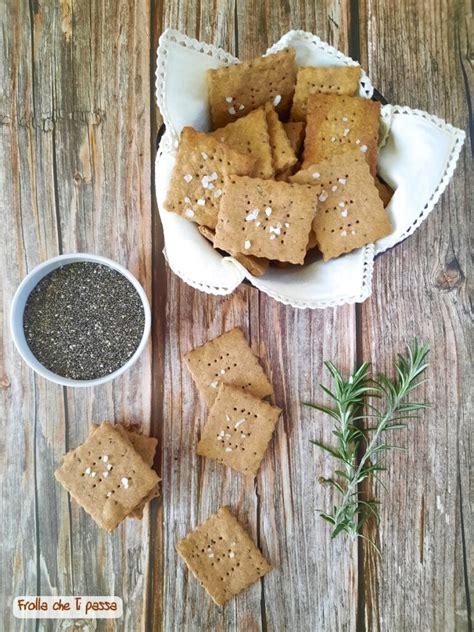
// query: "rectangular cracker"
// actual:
[[222, 556], [198, 176], [237, 89], [238, 430], [385, 192], [350, 213], [106, 476], [257, 267], [336, 124], [229, 359], [283, 155], [342, 80], [145, 446], [249, 136], [265, 218]]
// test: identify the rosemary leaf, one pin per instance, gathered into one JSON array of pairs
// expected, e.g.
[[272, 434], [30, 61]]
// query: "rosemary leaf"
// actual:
[[362, 453]]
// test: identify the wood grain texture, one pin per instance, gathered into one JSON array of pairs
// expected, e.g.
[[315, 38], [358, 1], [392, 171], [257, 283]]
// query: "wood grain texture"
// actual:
[[75, 177], [78, 125], [425, 507]]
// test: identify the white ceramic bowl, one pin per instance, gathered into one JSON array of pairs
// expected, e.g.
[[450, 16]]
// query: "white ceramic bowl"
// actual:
[[18, 308]]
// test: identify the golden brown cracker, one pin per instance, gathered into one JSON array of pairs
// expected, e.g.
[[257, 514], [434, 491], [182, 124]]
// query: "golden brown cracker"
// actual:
[[342, 80], [350, 212], [283, 155], [256, 266], [229, 359], [336, 124], [237, 89], [265, 218], [208, 233], [238, 430], [295, 132], [198, 176], [145, 446], [249, 135], [385, 192], [222, 556], [137, 513], [284, 176], [312, 241], [106, 476]]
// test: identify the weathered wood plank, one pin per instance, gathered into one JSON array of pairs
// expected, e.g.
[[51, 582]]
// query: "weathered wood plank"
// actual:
[[75, 170], [194, 488], [32, 409], [318, 576], [420, 289], [78, 179], [318, 579]]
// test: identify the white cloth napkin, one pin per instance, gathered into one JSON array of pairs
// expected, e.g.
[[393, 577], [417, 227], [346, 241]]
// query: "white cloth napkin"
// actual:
[[418, 158]]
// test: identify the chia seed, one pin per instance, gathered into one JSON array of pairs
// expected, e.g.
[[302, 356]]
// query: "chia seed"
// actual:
[[83, 320]]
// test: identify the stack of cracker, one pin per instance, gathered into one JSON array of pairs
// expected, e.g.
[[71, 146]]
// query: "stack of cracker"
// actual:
[[289, 166], [110, 475]]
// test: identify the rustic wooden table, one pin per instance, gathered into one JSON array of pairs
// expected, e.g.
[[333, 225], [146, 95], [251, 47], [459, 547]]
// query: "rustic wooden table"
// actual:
[[78, 129]]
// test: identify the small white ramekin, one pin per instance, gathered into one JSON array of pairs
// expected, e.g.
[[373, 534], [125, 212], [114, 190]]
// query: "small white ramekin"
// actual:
[[18, 308]]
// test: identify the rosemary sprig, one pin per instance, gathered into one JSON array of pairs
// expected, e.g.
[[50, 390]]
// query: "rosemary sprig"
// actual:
[[351, 412]]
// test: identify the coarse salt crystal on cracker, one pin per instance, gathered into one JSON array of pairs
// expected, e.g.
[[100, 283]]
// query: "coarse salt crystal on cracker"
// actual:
[[191, 170], [325, 131], [246, 442], [222, 556], [342, 80], [231, 352], [252, 84], [282, 202], [249, 135], [353, 216]]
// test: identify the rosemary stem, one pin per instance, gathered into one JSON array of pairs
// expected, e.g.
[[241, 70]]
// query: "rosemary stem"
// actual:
[[354, 482]]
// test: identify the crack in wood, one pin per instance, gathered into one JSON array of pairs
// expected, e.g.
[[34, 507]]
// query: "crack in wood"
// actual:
[[422, 529]]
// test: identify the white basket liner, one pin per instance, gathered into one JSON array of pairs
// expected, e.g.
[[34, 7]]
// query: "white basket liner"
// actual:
[[418, 161], [182, 97]]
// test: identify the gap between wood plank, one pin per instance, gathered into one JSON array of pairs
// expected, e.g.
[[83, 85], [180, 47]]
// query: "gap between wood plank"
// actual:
[[464, 554], [153, 597], [354, 52], [35, 427], [464, 546]]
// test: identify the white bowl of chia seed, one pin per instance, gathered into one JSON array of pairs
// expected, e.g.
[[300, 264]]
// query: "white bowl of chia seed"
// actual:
[[80, 319]]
